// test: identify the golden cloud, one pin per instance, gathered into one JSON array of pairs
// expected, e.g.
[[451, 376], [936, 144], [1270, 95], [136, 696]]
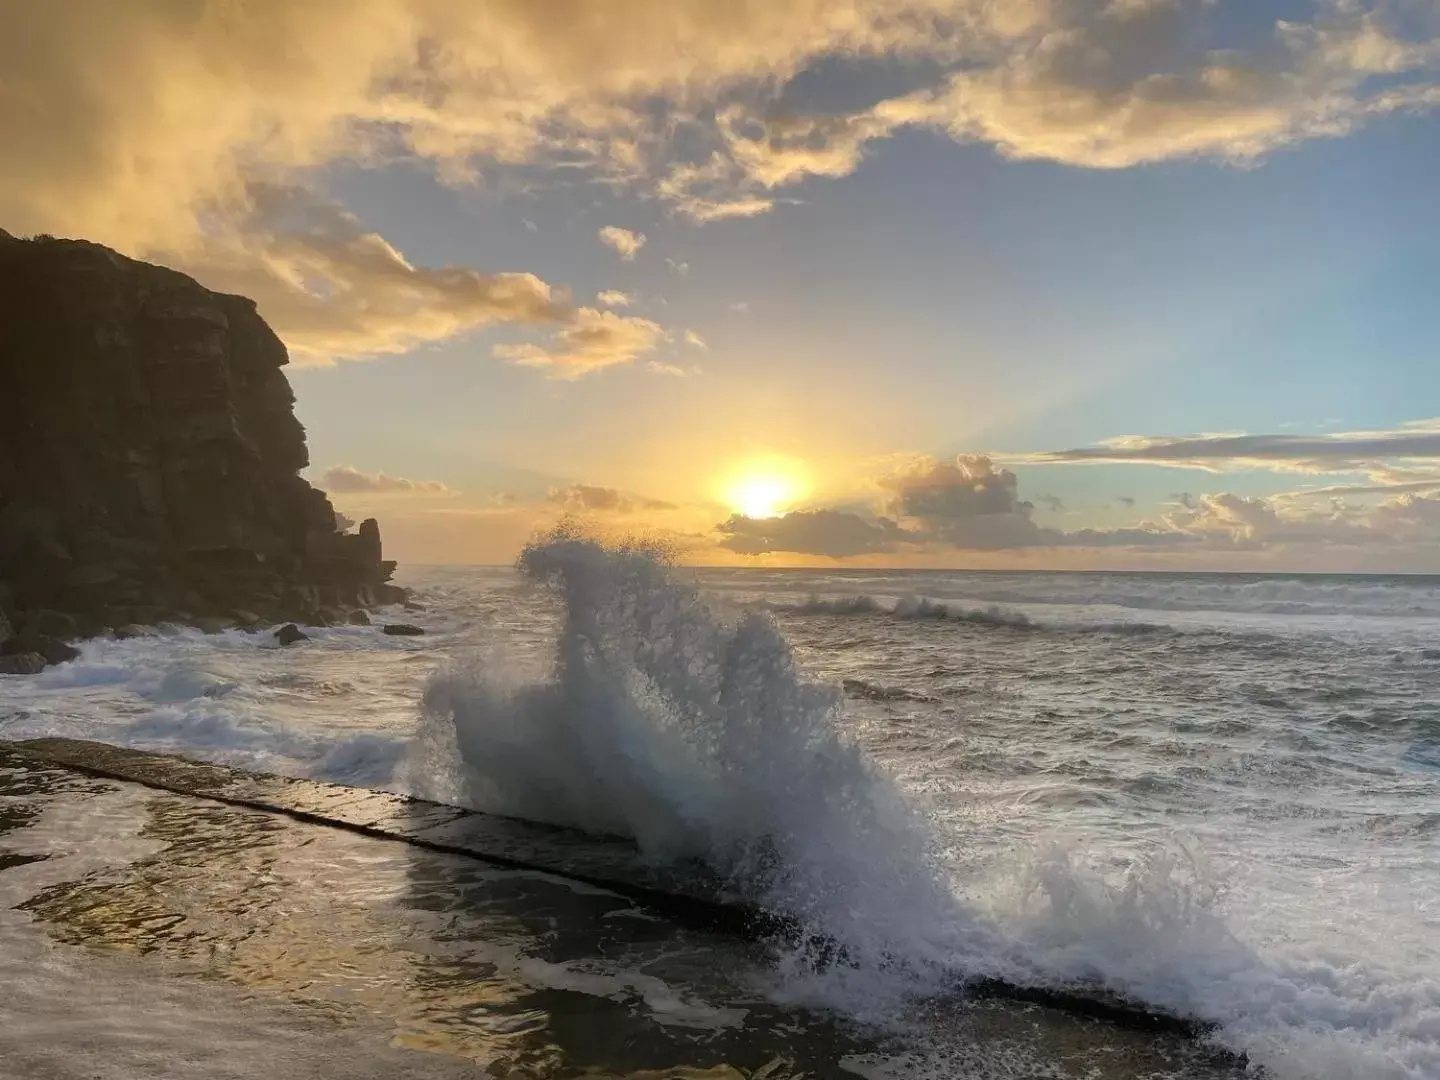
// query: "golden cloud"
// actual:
[[590, 341], [170, 128]]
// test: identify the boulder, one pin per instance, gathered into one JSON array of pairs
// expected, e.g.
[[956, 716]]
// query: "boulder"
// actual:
[[208, 624], [359, 617], [289, 634], [402, 630], [390, 594], [56, 624], [52, 649], [25, 663], [131, 630]]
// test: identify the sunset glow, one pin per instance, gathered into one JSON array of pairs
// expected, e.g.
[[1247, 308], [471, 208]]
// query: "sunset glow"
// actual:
[[923, 283], [765, 488], [812, 453]]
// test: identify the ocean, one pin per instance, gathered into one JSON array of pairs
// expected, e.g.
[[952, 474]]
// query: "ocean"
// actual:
[[1218, 795]]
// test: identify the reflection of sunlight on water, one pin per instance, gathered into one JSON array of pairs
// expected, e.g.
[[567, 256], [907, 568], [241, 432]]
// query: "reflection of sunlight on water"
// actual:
[[526, 974], [466, 960]]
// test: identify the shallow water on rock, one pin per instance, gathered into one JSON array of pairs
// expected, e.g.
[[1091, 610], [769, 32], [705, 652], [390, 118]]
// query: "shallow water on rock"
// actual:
[[526, 973]]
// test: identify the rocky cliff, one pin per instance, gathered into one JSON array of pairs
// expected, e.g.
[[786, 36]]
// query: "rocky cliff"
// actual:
[[150, 457]]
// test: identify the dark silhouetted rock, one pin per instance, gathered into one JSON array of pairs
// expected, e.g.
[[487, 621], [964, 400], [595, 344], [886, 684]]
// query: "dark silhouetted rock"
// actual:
[[402, 630], [368, 540], [56, 624], [359, 617], [25, 663], [28, 640], [208, 624], [390, 594], [411, 605], [289, 634], [93, 576], [150, 455]]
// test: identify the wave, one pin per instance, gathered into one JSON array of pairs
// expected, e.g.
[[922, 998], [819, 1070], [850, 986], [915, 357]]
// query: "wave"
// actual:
[[921, 608], [691, 731], [1399, 596], [872, 691], [199, 695], [697, 737], [910, 607]]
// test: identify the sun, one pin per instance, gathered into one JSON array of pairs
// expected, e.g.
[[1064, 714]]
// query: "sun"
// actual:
[[764, 487], [759, 496]]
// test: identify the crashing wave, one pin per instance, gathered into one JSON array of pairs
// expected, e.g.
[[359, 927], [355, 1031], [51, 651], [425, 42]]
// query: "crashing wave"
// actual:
[[697, 736]]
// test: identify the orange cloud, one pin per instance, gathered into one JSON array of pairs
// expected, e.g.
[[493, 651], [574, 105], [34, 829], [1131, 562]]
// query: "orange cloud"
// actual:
[[189, 131]]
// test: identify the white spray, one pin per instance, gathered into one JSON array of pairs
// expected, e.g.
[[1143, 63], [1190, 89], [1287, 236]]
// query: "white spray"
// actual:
[[695, 735]]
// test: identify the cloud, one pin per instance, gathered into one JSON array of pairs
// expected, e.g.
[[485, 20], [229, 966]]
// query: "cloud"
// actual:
[[705, 192], [1114, 86], [1052, 503], [613, 298], [741, 307], [695, 340], [681, 268], [347, 479], [164, 127], [670, 369], [1339, 452], [1125, 501], [1227, 520], [1333, 490], [587, 498], [332, 289], [627, 244], [591, 341], [702, 211], [966, 504], [835, 533]]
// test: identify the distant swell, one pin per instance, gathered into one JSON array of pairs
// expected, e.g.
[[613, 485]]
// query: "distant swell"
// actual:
[[923, 608]]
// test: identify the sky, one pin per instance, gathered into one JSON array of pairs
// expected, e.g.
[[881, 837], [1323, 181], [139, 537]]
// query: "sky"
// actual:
[[1070, 284]]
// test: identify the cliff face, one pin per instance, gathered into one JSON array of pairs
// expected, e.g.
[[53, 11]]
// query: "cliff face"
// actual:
[[149, 454]]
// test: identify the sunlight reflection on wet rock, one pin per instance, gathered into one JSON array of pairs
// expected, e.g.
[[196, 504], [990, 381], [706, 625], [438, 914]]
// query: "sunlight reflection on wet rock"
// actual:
[[527, 974]]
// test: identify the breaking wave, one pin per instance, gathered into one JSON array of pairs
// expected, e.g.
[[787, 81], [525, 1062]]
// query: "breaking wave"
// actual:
[[923, 608], [697, 737], [693, 732]]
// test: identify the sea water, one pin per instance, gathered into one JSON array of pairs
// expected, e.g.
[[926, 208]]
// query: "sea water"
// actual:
[[1218, 794]]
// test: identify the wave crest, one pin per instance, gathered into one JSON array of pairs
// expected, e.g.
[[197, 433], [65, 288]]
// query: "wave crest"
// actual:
[[695, 735]]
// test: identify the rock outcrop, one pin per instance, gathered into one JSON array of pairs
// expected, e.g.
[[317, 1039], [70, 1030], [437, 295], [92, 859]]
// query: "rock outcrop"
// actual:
[[150, 458]]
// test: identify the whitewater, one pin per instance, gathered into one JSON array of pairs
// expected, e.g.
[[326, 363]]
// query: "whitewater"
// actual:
[[1216, 794]]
